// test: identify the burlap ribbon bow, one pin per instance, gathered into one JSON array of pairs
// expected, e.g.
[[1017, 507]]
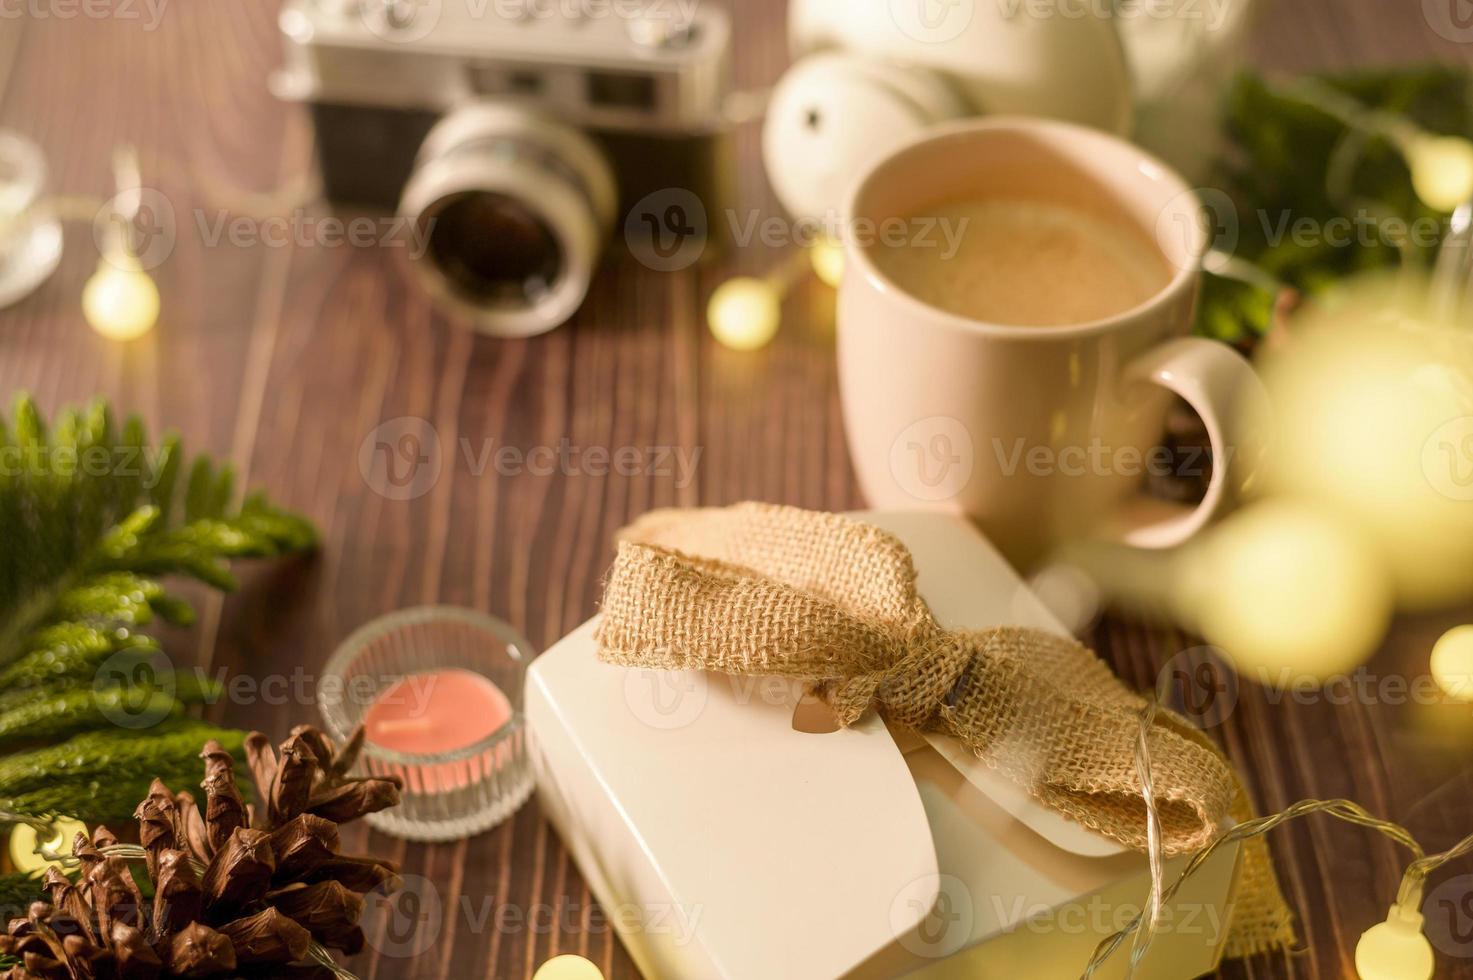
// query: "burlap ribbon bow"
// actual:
[[763, 590]]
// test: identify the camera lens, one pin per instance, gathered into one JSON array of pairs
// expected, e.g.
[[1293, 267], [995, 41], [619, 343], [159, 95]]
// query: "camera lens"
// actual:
[[494, 249], [513, 209]]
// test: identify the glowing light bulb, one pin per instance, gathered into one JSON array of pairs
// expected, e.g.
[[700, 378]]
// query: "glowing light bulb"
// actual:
[[568, 967], [1395, 949], [828, 262], [24, 842], [744, 313], [1452, 663], [1442, 170], [120, 301], [1288, 592]]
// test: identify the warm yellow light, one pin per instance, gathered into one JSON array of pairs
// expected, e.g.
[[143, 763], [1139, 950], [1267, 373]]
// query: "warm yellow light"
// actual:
[[1442, 170], [828, 262], [24, 842], [568, 967], [1373, 420], [744, 313], [1452, 663], [120, 301], [1395, 949], [1288, 592]]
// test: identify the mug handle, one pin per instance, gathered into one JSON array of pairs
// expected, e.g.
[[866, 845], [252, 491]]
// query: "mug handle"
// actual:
[[1222, 387]]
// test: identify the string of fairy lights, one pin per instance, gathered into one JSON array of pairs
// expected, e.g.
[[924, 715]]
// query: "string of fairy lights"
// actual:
[[1396, 949]]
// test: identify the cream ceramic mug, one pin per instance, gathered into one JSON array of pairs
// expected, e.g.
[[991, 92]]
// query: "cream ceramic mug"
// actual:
[[1042, 435]]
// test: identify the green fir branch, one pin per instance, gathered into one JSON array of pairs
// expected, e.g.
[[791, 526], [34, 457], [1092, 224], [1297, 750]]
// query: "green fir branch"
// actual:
[[92, 516]]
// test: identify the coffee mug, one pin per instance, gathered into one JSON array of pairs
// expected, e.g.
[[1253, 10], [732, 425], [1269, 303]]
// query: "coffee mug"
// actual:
[[1043, 435]]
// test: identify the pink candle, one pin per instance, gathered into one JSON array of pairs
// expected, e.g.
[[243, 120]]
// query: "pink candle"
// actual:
[[434, 713]]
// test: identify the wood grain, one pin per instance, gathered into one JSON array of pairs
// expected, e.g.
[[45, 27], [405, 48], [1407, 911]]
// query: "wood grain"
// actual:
[[287, 360]]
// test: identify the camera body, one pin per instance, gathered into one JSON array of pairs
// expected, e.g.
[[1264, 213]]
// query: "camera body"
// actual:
[[516, 133]]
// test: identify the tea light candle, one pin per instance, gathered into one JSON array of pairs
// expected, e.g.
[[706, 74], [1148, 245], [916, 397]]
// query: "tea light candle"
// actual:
[[437, 691], [437, 711]]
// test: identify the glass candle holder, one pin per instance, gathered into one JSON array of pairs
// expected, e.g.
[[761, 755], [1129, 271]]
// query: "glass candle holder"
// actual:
[[439, 693]]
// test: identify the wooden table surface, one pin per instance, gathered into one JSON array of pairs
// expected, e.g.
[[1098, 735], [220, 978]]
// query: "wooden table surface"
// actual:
[[286, 359]]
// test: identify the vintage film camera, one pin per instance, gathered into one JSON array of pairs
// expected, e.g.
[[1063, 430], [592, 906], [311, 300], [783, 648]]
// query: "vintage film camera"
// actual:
[[516, 134]]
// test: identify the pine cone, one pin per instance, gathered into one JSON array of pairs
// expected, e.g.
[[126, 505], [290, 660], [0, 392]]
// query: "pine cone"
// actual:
[[237, 891]]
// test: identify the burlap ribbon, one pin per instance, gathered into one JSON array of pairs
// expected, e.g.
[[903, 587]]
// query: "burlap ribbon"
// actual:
[[763, 590]]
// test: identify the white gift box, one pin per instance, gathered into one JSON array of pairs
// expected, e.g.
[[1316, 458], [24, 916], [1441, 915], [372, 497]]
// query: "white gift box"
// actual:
[[725, 842]]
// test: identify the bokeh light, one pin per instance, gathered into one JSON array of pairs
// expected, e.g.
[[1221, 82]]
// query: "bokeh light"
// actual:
[[1452, 663], [1369, 395], [744, 313], [827, 258], [24, 841], [120, 301], [1287, 592], [568, 967], [1395, 949], [1442, 170]]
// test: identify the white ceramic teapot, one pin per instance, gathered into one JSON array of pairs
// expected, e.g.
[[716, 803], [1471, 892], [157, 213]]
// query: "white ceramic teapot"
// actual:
[[869, 74]]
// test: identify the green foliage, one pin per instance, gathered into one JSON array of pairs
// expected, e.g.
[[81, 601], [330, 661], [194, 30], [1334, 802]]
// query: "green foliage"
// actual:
[[91, 516], [90, 513], [111, 768], [17, 892], [1291, 160], [56, 713]]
